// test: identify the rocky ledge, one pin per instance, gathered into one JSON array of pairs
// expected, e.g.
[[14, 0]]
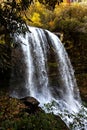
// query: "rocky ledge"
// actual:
[[31, 104], [25, 114]]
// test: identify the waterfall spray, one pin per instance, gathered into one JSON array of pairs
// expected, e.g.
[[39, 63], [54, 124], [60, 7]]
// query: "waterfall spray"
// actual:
[[64, 96]]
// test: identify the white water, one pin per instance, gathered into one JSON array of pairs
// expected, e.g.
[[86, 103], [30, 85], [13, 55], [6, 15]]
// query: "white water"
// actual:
[[35, 49]]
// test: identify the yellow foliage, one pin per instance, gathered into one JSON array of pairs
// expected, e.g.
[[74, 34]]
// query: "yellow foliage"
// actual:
[[36, 19], [59, 8], [49, 19], [51, 24]]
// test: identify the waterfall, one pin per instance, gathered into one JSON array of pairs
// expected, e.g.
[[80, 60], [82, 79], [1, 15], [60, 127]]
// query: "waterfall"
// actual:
[[63, 97]]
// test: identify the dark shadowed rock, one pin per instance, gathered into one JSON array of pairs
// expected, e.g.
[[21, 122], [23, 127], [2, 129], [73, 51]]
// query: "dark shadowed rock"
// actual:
[[30, 100], [84, 97], [5, 65], [18, 72], [31, 104]]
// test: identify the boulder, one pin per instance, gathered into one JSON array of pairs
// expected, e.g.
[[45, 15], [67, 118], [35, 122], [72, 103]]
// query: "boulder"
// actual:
[[31, 104]]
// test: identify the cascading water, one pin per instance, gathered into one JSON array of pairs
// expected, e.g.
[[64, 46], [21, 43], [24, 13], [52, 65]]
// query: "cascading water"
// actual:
[[64, 97]]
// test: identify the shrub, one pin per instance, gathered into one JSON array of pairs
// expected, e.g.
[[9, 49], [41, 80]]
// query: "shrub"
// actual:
[[40, 121], [72, 21], [40, 16]]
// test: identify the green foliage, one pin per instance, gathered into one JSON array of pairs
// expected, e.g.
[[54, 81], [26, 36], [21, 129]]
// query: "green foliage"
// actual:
[[11, 20], [76, 12], [14, 117], [34, 122], [71, 21]]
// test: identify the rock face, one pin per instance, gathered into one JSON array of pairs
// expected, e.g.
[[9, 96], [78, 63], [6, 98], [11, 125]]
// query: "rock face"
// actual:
[[31, 107], [5, 65], [78, 57], [14, 111], [77, 51], [31, 104], [18, 72]]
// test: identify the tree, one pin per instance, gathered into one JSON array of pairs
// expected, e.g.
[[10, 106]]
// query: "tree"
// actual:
[[11, 21], [10, 17], [50, 3]]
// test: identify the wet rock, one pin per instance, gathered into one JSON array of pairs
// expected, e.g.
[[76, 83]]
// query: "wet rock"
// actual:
[[18, 72], [31, 104], [84, 97]]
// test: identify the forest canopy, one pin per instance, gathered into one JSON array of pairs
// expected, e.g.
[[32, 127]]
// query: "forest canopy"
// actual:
[[50, 3]]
